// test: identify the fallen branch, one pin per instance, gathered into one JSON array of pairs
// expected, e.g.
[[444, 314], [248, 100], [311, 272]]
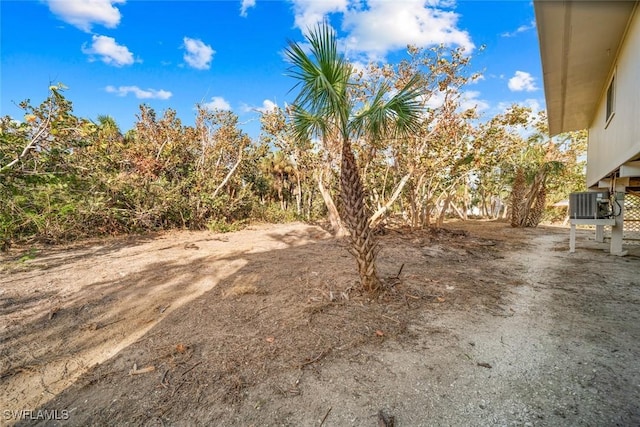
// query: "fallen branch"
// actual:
[[315, 359], [400, 271], [146, 370], [177, 388], [391, 318], [164, 376], [196, 364], [325, 416]]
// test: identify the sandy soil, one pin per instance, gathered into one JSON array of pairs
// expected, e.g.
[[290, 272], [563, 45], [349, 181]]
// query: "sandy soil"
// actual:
[[482, 325]]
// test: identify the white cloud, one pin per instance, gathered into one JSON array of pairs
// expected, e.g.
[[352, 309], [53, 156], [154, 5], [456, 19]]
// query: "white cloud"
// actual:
[[84, 13], [385, 26], [522, 81], [520, 29], [534, 104], [246, 4], [360, 67], [217, 103], [434, 100], [440, 3], [469, 99], [109, 51], [267, 105], [139, 93], [199, 54], [308, 13], [376, 27], [503, 106]]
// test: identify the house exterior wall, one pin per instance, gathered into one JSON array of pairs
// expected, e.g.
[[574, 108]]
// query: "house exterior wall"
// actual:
[[615, 143]]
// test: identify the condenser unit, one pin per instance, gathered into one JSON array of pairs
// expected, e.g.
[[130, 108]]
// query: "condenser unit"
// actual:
[[590, 205]]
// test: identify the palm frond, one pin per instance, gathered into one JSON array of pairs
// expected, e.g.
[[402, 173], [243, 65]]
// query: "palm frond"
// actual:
[[323, 75], [407, 107], [306, 125], [391, 116]]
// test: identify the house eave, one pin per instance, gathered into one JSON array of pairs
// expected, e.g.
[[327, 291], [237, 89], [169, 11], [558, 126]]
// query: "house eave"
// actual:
[[579, 42]]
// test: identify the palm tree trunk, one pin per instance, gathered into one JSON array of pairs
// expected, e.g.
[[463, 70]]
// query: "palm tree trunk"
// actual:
[[363, 245], [531, 201], [537, 211], [298, 194], [517, 198]]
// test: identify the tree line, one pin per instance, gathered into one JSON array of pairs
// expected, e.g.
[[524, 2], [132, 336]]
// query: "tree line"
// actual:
[[361, 148]]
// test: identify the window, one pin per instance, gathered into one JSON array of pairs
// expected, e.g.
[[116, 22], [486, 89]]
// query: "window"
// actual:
[[610, 100]]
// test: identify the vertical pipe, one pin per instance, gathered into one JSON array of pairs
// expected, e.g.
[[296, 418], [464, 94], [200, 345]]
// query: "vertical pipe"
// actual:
[[617, 230]]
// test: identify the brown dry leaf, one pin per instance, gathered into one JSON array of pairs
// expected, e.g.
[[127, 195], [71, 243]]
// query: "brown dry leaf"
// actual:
[[379, 333], [270, 339]]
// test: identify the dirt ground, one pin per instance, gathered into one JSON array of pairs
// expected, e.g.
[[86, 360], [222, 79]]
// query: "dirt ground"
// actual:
[[482, 324]]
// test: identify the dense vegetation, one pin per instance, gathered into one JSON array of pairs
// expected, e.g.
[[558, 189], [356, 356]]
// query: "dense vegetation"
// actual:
[[65, 177]]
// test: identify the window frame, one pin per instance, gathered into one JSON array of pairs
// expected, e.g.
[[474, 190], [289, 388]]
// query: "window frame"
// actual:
[[610, 100]]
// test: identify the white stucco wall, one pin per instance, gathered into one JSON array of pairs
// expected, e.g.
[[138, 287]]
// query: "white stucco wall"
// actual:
[[619, 142]]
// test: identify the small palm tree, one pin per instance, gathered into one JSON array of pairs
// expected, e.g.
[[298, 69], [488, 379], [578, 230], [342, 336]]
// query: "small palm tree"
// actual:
[[327, 108], [108, 128]]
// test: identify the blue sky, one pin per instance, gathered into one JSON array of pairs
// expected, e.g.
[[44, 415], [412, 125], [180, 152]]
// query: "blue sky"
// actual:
[[114, 54]]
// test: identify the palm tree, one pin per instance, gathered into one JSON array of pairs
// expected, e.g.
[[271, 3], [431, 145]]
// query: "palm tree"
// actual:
[[540, 160], [108, 129], [327, 108]]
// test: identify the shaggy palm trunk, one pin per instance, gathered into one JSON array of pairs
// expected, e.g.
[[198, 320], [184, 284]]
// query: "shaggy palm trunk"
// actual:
[[517, 198], [363, 245], [535, 215], [298, 194]]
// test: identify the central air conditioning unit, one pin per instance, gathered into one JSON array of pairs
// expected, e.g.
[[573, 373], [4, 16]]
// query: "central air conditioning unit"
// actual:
[[590, 205]]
